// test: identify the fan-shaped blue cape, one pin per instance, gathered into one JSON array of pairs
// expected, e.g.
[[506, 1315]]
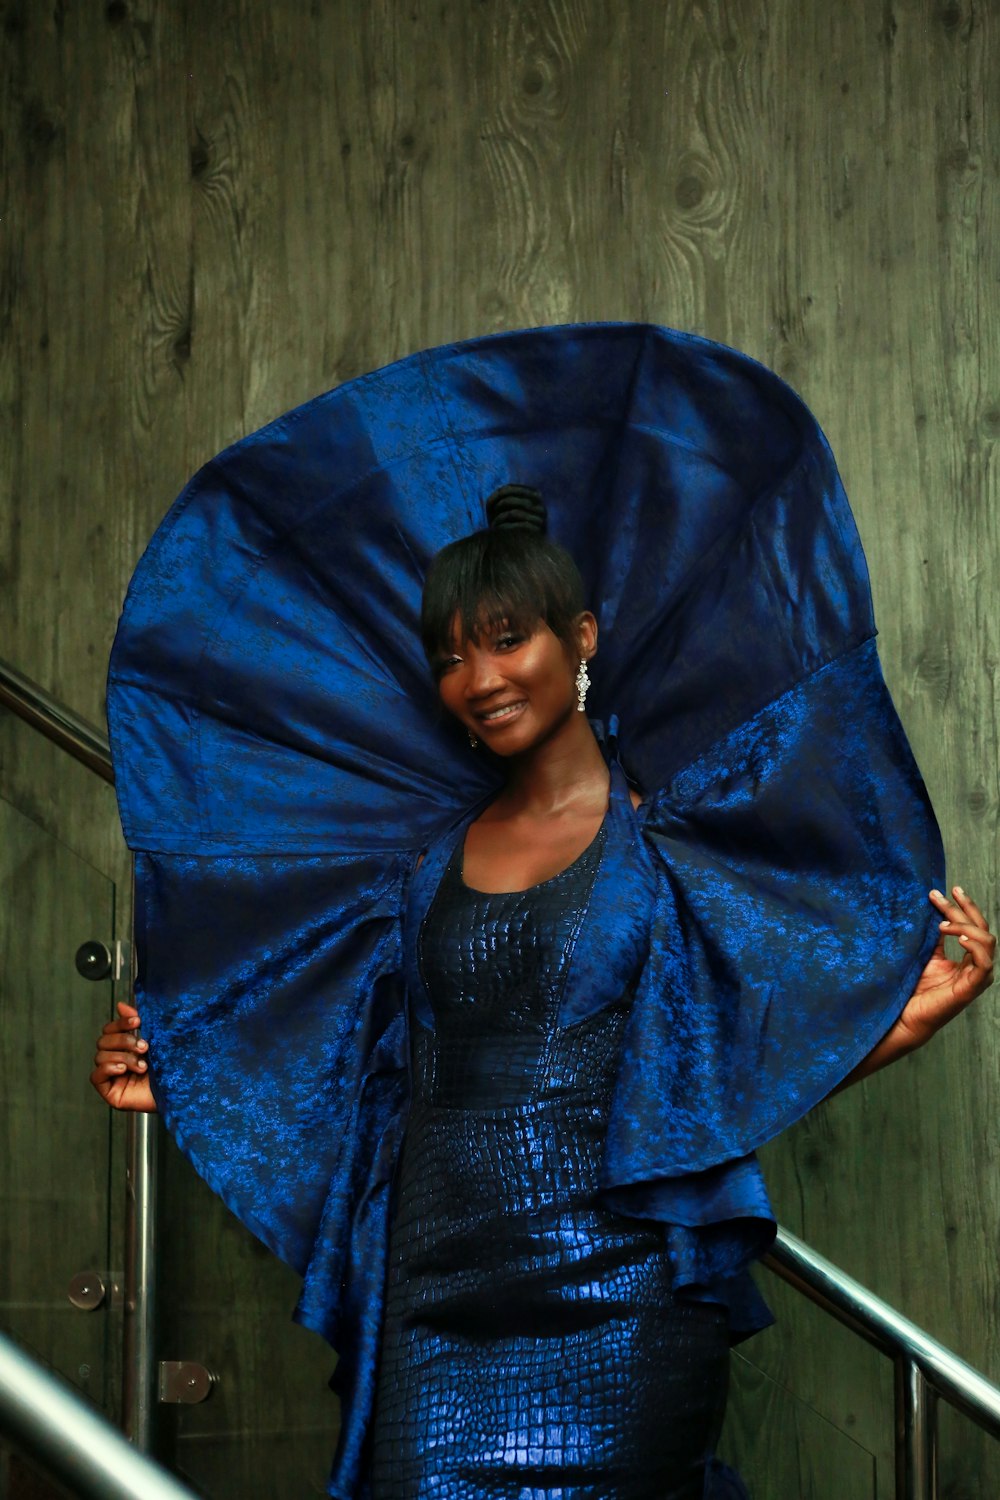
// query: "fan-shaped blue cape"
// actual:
[[281, 759]]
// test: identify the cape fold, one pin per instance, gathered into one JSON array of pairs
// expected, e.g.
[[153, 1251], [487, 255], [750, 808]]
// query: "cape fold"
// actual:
[[281, 757]]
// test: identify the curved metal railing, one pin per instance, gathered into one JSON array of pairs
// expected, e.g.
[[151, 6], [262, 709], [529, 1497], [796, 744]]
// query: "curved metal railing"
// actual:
[[57, 722], [51, 1423], [925, 1369]]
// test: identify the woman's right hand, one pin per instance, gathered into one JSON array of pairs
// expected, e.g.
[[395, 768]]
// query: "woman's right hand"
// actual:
[[121, 1074]]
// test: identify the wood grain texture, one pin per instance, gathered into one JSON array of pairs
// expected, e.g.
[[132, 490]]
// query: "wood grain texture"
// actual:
[[211, 213]]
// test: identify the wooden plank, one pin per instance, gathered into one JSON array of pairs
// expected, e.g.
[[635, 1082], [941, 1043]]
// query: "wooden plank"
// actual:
[[215, 213]]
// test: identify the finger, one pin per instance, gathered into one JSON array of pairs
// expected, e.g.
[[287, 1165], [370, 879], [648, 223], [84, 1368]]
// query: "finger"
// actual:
[[968, 905], [124, 1026], [111, 1040], [114, 1090], [959, 920], [981, 953], [107, 1088], [114, 1046], [119, 1062], [951, 909], [969, 983], [128, 1019], [105, 1078], [968, 928]]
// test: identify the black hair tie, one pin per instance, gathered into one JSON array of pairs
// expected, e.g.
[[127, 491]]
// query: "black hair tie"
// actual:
[[516, 507]]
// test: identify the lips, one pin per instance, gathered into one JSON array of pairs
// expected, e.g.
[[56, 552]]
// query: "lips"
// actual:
[[502, 714]]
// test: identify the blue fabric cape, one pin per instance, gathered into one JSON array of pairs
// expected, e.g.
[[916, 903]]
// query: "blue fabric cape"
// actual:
[[281, 758]]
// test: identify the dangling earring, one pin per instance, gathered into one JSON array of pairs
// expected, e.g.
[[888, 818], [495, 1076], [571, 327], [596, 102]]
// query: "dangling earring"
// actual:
[[472, 740], [582, 684]]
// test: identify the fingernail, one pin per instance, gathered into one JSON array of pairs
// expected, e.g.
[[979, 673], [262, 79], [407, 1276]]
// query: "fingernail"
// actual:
[[936, 893], [959, 890], [140, 1063]]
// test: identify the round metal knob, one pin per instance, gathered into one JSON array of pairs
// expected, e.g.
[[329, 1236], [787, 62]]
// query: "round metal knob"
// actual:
[[185, 1383], [87, 1291], [93, 960]]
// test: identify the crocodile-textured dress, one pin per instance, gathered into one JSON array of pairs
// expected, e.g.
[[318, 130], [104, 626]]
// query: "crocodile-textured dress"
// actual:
[[533, 1347], [281, 756]]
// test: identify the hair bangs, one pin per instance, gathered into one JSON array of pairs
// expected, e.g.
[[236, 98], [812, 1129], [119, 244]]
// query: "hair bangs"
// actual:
[[494, 579]]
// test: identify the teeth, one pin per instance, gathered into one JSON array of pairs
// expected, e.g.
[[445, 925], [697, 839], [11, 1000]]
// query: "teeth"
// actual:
[[501, 713]]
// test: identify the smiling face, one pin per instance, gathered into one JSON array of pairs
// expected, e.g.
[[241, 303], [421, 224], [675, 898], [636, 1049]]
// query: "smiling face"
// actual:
[[513, 688]]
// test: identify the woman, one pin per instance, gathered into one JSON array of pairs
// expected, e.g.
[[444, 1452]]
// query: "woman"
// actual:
[[610, 1000], [533, 1340]]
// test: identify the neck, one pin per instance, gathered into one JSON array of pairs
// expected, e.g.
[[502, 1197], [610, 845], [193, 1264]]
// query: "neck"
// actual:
[[566, 772]]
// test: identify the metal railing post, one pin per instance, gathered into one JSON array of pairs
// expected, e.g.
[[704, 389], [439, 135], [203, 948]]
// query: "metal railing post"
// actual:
[[89, 745], [924, 1369], [916, 1433], [888, 1330], [139, 1383]]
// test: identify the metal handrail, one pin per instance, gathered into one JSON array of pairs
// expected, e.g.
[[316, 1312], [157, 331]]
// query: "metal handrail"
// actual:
[[71, 1440], [89, 745], [58, 723], [925, 1369]]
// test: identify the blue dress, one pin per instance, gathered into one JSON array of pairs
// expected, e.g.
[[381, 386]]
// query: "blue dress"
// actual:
[[533, 1341], [281, 759]]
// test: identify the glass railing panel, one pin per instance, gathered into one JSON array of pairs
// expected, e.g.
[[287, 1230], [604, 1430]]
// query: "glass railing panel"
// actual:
[[810, 1413], [783, 1446], [54, 1168], [270, 1426]]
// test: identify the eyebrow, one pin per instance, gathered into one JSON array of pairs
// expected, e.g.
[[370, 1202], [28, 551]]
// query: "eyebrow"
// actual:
[[507, 622]]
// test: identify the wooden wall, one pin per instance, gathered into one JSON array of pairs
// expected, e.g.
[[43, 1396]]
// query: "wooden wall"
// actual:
[[211, 212]]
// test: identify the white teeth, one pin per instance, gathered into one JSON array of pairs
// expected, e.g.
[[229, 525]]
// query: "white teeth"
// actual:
[[501, 713]]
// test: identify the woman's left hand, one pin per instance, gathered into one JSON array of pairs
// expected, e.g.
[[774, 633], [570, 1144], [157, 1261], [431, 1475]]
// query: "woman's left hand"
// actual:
[[945, 988]]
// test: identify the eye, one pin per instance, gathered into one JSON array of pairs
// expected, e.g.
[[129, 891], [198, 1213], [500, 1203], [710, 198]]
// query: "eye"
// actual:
[[507, 640], [443, 663]]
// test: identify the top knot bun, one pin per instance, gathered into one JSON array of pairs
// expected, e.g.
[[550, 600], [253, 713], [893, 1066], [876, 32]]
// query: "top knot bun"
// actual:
[[516, 507]]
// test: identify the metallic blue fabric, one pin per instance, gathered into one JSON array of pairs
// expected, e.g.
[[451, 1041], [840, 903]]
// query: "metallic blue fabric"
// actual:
[[535, 1343], [281, 758]]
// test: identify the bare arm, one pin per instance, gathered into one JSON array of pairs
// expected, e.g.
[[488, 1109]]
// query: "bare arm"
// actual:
[[944, 988]]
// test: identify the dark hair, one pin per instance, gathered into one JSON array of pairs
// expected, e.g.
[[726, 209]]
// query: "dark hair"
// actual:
[[508, 572]]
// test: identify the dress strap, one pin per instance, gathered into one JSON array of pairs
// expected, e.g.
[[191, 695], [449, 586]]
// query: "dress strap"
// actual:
[[617, 914], [424, 881]]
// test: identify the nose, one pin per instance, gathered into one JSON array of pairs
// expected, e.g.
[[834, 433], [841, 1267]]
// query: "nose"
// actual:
[[481, 676]]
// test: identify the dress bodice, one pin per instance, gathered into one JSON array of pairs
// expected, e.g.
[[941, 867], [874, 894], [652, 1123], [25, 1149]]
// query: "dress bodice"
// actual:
[[518, 1305], [494, 964]]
